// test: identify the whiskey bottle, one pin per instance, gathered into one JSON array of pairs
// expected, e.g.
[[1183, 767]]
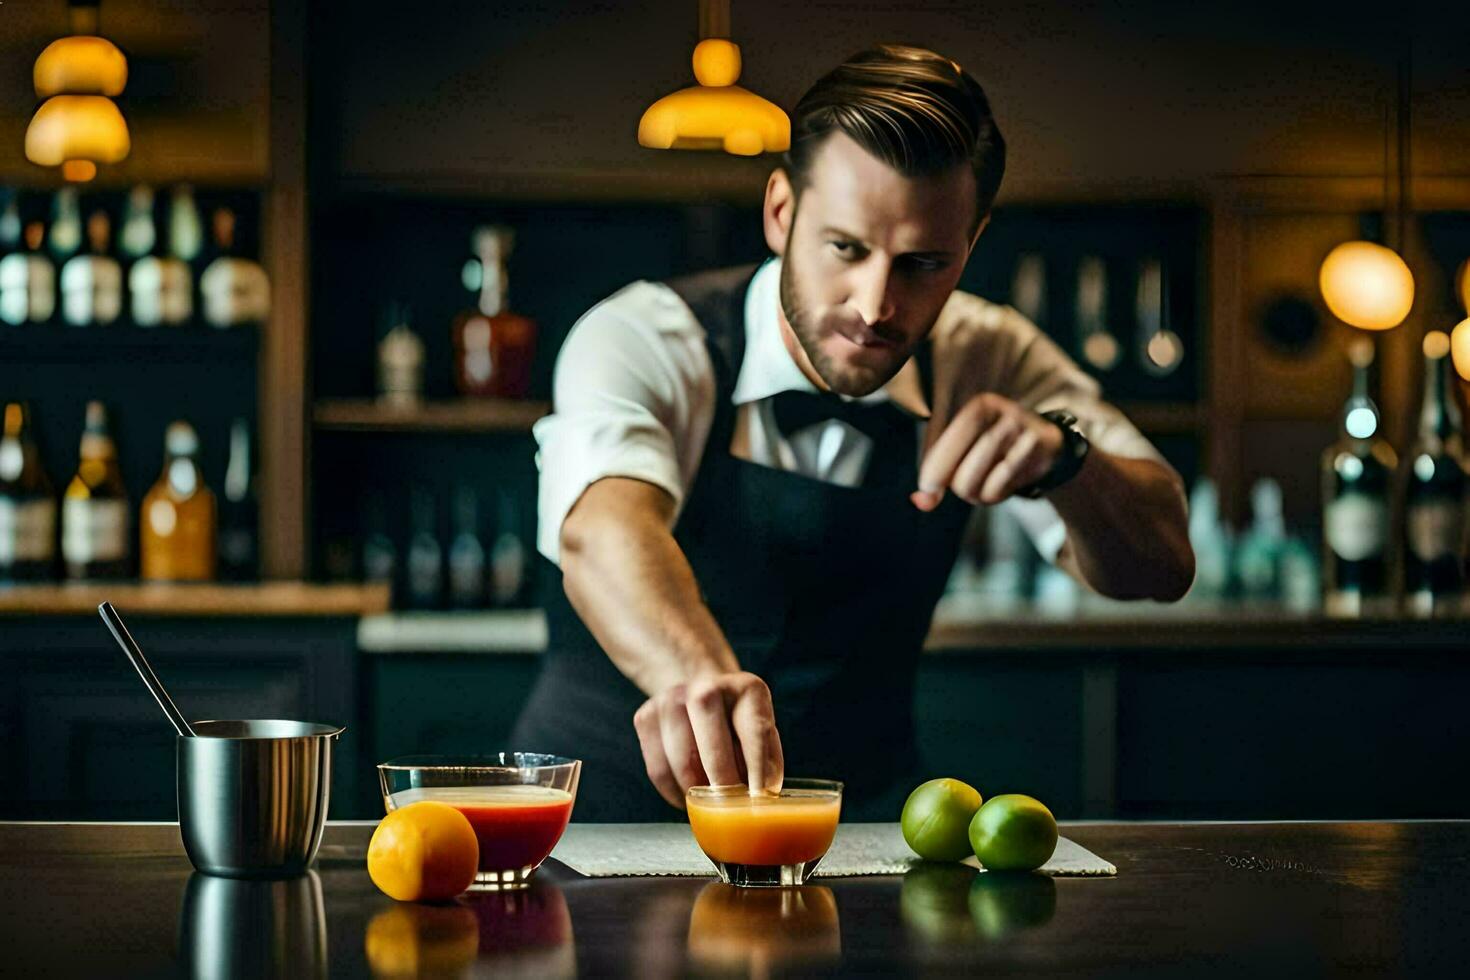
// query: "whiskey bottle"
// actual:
[[27, 505], [28, 281], [493, 346], [239, 511], [236, 290], [65, 234], [96, 532], [1357, 477], [177, 540], [91, 284], [425, 562], [159, 284], [1434, 484], [466, 554]]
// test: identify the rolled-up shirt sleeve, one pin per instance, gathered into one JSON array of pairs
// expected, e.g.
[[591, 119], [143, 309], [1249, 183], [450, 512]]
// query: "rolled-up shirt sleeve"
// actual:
[[632, 396]]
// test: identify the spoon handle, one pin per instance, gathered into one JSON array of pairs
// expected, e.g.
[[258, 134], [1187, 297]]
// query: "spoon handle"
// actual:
[[140, 664]]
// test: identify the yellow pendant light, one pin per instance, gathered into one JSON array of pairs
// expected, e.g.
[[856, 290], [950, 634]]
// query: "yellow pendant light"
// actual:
[[79, 126], [716, 114]]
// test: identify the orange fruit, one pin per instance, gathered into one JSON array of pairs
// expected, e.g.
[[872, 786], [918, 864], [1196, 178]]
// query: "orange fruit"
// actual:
[[423, 852]]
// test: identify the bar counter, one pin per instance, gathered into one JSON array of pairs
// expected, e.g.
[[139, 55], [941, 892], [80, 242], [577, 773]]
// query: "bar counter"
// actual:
[[1189, 900]]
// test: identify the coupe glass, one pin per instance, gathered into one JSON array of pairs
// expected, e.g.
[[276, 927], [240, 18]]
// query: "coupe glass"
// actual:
[[766, 839]]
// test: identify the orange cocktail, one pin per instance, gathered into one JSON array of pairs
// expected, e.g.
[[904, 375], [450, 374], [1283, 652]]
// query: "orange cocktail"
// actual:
[[771, 839]]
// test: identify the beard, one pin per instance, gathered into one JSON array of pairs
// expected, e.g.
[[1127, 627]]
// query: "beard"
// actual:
[[853, 380]]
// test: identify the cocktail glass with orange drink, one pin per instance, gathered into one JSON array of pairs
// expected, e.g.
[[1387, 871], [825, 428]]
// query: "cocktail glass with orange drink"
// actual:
[[770, 839], [517, 802]]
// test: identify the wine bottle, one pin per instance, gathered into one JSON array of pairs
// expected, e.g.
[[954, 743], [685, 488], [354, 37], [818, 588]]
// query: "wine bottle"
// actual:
[[1357, 477], [178, 523], [91, 284], [239, 511], [425, 557], [236, 290], [27, 505], [1434, 484], [466, 554], [159, 283], [508, 555], [65, 235], [28, 281], [96, 531]]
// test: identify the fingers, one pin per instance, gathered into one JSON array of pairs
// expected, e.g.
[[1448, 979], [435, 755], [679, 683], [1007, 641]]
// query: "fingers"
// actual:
[[1023, 465], [710, 721], [754, 720], [989, 450], [650, 740], [946, 452], [717, 731]]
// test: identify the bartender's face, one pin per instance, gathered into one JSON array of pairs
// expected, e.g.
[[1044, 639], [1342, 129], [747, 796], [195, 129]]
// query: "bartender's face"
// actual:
[[868, 260]]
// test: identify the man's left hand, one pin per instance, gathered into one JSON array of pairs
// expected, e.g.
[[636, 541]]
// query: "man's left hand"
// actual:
[[990, 448]]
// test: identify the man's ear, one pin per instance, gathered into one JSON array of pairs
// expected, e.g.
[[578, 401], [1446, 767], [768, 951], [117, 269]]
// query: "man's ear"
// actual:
[[779, 210]]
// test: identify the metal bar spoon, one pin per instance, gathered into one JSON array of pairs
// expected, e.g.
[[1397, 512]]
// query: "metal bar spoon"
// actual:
[[140, 664]]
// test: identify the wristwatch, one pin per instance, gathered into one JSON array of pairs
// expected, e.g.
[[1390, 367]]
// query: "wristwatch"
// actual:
[[1068, 461]]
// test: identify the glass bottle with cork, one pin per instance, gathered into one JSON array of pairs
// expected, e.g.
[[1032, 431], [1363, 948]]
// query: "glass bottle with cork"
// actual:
[[1434, 482], [493, 346]]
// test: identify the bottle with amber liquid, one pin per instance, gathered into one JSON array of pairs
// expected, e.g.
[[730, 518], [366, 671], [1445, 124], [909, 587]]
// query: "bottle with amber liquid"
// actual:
[[493, 346], [1434, 484], [178, 521], [96, 527], [1357, 483], [27, 506]]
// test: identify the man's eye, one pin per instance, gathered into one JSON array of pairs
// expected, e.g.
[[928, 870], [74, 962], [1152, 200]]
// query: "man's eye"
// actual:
[[845, 249], [926, 265]]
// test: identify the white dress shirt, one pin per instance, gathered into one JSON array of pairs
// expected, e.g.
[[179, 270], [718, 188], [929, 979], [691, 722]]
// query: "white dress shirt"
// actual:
[[634, 396]]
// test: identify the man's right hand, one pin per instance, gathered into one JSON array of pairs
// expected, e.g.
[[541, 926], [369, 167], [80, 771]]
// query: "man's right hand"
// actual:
[[719, 730]]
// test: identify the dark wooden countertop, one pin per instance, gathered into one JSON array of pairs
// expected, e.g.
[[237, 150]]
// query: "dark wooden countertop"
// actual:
[[1190, 900], [202, 599]]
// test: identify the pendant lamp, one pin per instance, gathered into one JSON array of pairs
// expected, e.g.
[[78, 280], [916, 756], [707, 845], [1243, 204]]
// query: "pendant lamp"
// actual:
[[716, 114], [78, 126], [1366, 284]]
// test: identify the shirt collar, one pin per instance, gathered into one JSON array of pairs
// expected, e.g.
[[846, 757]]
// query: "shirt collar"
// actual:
[[768, 368]]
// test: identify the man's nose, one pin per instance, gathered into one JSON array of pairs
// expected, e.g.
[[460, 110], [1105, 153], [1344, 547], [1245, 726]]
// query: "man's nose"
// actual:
[[870, 292]]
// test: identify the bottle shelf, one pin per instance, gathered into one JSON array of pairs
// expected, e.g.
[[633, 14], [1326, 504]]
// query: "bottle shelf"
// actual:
[[125, 344], [196, 599], [458, 415]]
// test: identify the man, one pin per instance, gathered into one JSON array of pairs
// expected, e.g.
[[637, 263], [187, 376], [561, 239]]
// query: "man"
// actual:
[[755, 480]]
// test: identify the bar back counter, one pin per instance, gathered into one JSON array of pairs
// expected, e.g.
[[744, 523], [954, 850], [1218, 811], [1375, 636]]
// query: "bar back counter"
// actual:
[[1143, 712]]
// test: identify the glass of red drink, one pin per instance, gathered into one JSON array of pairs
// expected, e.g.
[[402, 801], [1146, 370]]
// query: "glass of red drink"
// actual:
[[517, 802]]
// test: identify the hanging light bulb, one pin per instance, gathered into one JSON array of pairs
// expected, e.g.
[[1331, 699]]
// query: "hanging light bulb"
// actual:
[[1367, 285], [716, 114], [78, 126]]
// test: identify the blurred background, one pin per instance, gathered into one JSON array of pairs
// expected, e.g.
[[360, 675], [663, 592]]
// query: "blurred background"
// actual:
[[331, 220]]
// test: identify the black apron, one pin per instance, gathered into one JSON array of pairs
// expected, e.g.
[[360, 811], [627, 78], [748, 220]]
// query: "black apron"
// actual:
[[823, 591]]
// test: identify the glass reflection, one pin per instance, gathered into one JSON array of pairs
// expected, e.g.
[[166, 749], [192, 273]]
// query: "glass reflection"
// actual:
[[523, 933], [758, 929], [234, 928], [953, 903]]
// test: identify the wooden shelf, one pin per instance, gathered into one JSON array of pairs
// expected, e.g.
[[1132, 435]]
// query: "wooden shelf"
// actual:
[[465, 415], [203, 599], [125, 344]]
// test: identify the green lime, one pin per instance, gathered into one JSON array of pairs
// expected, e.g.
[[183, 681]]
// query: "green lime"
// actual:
[[936, 816], [1013, 832]]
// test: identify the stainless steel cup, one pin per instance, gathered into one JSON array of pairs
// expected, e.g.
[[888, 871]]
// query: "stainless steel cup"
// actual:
[[253, 795]]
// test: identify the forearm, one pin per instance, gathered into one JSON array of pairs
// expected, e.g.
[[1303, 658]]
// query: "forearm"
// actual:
[[633, 588], [1127, 528]]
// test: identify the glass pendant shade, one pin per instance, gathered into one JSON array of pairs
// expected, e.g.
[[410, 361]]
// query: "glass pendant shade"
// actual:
[[1367, 285], [77, 128], [81, 65], [716, 114]]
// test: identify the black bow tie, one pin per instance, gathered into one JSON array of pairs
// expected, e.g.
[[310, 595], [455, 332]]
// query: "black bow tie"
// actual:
[[879, 421]]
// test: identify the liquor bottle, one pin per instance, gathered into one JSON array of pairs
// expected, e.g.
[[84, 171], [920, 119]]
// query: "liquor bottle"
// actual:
[[1357, 477], [10, 223], [379, 557], [28, 281], [1210, 538], [493, 346], [185, 229], [96, 532], [1434, 485], [236, 290], [400, 360], [239, 511], [91, 284], [508, 555], [425, 558], [65, 234], [27, 505], [159, 284], [466, 554], [177, 539], [1258, 559]]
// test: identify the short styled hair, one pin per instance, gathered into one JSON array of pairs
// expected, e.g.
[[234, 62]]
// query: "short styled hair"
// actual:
[[915, 110]]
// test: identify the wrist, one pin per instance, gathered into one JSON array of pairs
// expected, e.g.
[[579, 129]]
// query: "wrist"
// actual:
[[1070, 457]]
